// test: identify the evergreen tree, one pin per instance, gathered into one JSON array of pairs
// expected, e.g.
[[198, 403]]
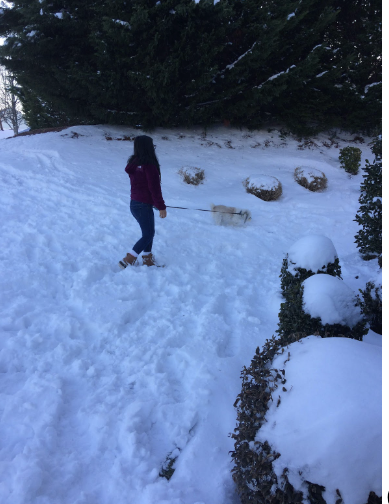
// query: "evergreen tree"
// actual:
[[162, 58], [346, 90], [271, 51], [369, 215], [180, 62], [47, 49]]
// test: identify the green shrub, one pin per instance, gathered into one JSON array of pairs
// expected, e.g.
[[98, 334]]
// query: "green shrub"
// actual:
[[292, 317], [369, 215], [350, 159], [192, 175], [371, 306]]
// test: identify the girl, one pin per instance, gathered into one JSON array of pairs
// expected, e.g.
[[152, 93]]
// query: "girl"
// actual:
[[145, 175]]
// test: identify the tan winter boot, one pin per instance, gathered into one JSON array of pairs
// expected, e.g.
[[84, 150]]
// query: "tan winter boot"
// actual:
[[129, 260], [149, 260]]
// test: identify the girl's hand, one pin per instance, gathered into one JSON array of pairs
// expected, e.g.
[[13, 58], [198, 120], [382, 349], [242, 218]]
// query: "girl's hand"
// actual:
[[162, 214]]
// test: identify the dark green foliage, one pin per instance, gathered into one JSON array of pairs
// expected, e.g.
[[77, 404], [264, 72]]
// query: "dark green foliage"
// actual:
[[369, 215], [350, 159], [292, 318], [290, 280], [371, 306], [149, 63], [42, 114], [253, 471], [356, 42]]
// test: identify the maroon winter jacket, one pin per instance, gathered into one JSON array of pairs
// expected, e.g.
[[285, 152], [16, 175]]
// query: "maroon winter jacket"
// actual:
[[145, 184]]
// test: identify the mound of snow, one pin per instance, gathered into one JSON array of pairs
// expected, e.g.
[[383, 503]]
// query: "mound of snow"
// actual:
[[309, 173], [264, 182], [312, 252], [330, 299], [327, 427]]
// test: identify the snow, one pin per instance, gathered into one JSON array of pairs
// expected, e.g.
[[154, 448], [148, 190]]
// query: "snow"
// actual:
[[275, 76], [264, 182], [6, 134], [330, 299], [311, 252], [332, 410], [371, 85], [123, 23], [232, 65], [309, 173], [105, 373]]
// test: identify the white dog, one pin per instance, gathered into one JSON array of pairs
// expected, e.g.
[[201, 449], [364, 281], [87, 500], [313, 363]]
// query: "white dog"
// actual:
[[229, 216]]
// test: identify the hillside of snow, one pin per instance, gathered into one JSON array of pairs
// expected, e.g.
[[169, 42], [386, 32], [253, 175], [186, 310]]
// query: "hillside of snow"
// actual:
[[106, 375]]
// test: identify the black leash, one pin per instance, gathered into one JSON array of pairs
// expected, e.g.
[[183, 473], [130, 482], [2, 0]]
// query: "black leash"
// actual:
[[202, 210], [241, 213]]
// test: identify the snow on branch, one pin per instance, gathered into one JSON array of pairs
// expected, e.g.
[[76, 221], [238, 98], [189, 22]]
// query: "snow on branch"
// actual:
[[371, 85], [240, 57], [229, 67], [275, 77]]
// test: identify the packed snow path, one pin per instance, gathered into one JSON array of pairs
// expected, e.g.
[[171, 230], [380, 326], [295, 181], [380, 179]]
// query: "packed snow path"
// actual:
[[107, 373]]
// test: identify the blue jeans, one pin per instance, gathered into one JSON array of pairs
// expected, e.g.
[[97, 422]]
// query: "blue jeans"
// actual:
[[144, 215]]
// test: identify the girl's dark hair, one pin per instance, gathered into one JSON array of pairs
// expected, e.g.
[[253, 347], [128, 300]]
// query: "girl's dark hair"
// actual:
[[144, 152]]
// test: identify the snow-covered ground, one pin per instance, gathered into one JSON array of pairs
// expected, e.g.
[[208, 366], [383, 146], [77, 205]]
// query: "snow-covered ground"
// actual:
[[104, 373], [6, 134]]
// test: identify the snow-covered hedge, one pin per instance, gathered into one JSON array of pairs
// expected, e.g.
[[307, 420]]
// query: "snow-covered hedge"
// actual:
[[331, 300], [300, 414], [310, 178], [313, 253], [265, 187], [308, 256]]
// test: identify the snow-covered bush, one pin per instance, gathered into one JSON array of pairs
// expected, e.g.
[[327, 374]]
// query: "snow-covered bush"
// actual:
[[264, 187], [310, 178], [369, 215], [332, 308], [315, 256], [310, 255], [371, 306], [192, 175], [322, 305], [350, 159], [289, 454]]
